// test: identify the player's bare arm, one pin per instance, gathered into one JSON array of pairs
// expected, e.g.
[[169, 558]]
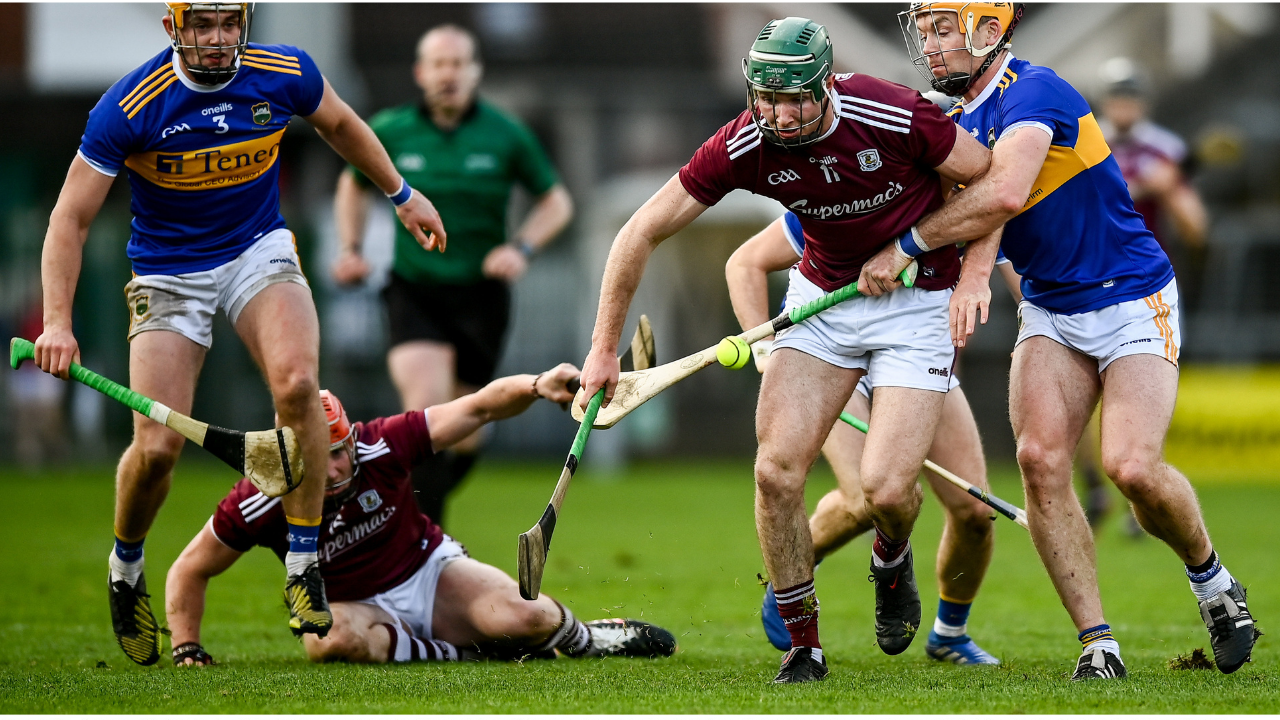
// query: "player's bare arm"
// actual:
[[78, 204], [971, 300], [204, 558], [505, 397], [352, 138], [747, 275], [349, 211], [551, 212], [967, 163], [669, 211]]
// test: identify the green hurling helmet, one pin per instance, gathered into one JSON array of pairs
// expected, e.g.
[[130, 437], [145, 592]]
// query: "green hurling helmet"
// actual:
[[789, 58]]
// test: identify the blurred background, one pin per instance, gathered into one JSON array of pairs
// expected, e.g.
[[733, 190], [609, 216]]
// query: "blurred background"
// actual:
[[620, 96]]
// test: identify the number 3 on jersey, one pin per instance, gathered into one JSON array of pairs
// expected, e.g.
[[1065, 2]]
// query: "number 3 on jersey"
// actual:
[[222, 124]]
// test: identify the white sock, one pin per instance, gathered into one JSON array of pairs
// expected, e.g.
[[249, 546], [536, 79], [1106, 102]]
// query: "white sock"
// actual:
[[1209, 589], [297, 563], [407, 648], [571, 638], [816, 654], [1110, 645], [127, 571], [949, 631]]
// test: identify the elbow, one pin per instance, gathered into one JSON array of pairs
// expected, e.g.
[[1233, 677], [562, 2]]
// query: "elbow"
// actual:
[[1008, 202]]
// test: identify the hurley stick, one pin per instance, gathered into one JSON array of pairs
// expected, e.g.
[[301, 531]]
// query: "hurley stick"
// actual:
[[636, 388], [533, 545], [1013, 512], [270, 459]]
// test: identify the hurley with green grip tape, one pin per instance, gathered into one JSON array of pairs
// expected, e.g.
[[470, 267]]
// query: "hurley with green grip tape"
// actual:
[[1013, 512], [270, 459]]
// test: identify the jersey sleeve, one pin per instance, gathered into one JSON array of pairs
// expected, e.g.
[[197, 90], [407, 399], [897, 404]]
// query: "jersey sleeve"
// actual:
[[308, 91], [402, 439], [1035, 102], [933, 134], [243, 516], [709, 175], [793, 231], [531, 165], [107, 139]]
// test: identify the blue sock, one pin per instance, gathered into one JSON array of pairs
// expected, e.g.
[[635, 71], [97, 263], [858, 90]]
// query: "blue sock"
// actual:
[[129, 551], [1100, 636], [303, 538], [951, 625]]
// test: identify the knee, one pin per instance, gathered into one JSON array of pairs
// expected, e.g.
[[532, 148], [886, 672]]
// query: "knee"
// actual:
[[884, 497], [1039, 460], [516, 620], [778, 478], [1133, 474], [338, 646], [295, 389], [157, 449], [972, 520]]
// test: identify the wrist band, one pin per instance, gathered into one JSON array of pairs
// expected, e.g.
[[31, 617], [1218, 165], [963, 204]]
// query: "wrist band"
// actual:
[[402, 195], [911, 244], [524, 248], [535, 385]]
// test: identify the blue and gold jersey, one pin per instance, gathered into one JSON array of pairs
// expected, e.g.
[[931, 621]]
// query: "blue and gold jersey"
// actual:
[[202, 160], [1078, 243]]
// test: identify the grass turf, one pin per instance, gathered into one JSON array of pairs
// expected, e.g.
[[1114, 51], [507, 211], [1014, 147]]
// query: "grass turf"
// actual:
[[672, 543]]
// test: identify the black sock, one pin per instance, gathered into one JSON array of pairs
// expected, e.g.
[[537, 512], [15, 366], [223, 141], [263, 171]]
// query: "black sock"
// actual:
[[1205, 566]]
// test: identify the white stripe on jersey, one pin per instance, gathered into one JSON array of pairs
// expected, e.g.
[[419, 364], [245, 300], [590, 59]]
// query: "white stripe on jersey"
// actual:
[[741, 132], [744, 149], [369, 452], [250, 503], [869, 121], [251, 515], [874, 104], [738, 141], [872, 113]]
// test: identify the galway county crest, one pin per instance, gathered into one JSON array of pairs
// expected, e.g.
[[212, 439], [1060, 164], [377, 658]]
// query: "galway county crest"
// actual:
[[869, 160], [261, 113]]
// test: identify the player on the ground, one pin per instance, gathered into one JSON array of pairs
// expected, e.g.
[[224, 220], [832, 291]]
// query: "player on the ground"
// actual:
[[967, 538], [199, 128], [1099, 316], [401, 589], [858, 159], [449, 313]]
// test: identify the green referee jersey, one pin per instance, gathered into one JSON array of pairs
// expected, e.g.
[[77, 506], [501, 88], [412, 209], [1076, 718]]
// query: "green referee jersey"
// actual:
[[467, 174]]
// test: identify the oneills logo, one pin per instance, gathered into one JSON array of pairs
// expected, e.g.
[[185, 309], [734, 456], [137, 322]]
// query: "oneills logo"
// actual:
[[209, 168]]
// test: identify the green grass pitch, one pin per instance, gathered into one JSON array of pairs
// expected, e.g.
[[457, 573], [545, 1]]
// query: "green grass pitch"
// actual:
[[672, 543]]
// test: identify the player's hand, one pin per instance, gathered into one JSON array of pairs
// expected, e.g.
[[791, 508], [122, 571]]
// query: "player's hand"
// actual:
[[505, 263], [350, 268], [881, 273], [554, 383], [760, 352], [420, 218], [601, 370], [56, 349], [969, 303]]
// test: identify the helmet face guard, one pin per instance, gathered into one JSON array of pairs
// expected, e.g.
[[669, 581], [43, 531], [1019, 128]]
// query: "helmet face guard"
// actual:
[[181, 13], [789, 64], [966, 16]]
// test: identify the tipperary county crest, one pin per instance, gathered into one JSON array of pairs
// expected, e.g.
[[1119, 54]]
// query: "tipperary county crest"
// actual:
[[370, 500], [869, 160], [261, 113]]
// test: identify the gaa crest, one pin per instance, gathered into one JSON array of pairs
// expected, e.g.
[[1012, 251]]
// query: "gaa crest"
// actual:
[[869, 160], [261, 113], [370, 500]]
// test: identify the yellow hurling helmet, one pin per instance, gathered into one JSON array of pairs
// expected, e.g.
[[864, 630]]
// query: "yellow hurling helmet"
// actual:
[[967, 16], [181, 13]]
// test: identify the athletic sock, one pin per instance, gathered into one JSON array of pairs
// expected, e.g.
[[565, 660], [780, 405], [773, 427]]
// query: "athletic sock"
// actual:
[[126, 561], [571, 637], [798, 607], [1210, 578], [887, 553], [407, 648], [1099, 636], [304, 536], [952, 623]]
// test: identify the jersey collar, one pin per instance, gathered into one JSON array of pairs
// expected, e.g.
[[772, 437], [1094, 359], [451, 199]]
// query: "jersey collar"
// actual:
[[991, 87], [193, 85]]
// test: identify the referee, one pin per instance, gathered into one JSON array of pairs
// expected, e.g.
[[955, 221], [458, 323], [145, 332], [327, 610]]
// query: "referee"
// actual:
[[449, 312]]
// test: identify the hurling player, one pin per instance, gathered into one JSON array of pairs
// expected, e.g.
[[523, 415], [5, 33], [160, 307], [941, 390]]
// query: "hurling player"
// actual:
[[1098, 319], [401, 589], [859, 160], [198, 129]]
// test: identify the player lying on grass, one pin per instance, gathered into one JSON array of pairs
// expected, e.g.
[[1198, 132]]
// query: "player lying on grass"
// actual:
[[400, 588], [841, 515], [859, 159], [1098, 319]]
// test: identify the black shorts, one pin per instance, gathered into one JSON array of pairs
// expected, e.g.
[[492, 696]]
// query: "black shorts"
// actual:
[[472, 318]]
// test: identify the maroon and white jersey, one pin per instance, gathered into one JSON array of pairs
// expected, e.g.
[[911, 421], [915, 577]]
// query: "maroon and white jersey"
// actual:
[[865, 183], [377, 540]]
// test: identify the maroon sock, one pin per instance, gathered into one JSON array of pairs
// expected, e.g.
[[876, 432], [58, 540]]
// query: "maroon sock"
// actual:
[[887, 551], [798, 606]]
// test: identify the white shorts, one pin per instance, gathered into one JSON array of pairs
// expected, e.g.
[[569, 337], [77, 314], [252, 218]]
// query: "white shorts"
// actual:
[[1148, 326], [902, 339], [186, 303], [413, 600], [864, 385]]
